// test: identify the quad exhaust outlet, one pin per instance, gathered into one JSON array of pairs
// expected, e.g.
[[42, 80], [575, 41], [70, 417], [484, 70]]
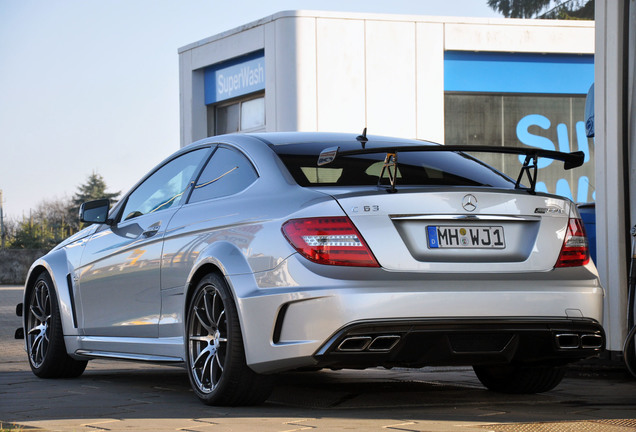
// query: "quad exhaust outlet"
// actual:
[[383, 343], [578, 341]]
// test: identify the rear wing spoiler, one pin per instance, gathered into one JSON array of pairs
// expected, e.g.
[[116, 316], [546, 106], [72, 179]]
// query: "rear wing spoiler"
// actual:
[[529, 167]]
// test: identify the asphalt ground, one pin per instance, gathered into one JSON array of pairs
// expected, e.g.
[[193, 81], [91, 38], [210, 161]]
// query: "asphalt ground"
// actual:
[[124, 396]]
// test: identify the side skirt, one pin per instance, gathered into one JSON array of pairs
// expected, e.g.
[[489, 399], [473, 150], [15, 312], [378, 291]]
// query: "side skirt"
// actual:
[[170, 350], [126, 356]]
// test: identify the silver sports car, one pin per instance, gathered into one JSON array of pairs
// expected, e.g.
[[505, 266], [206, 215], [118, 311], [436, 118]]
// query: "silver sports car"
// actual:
[[242, 256]]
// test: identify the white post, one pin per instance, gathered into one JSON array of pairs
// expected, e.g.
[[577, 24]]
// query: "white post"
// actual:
[[612, 176]]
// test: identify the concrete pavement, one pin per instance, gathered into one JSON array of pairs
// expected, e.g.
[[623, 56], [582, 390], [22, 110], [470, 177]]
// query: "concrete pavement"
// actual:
[[134, 396]]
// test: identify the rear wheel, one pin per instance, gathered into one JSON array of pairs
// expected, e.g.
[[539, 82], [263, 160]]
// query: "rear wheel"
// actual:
[[215, 354], [520, 379], [44, 336]]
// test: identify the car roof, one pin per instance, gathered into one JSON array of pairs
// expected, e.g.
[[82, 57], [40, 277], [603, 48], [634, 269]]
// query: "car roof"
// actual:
[[314, 142]]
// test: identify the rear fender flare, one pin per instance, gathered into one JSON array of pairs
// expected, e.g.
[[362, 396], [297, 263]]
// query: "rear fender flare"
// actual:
[[233, 265]]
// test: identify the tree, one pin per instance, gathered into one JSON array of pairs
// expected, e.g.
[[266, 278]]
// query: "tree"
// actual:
[[45, 227], [93, 189], [54, 214], [54, 220], [31, 234], [546, 9]]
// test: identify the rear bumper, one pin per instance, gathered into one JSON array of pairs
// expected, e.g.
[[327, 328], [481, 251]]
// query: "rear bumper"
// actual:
[[290, 318], [418, 343]]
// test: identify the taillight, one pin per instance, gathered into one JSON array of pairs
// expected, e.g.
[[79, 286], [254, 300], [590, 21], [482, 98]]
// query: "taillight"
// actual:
[[329, 240], [575, 251]]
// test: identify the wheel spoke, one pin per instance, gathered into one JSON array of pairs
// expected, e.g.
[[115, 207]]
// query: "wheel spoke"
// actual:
[[35, 344], [42, 299], [206, 372], [215, 373], [37, 294], [202, 320], [204, 354], [38, 350], [37, 329], [47, 302], [219, 321], [209, 306], [37, 313], [218, 361], [44, 346]]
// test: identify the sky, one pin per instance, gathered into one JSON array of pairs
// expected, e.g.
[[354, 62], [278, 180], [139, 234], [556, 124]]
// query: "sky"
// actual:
[[93, 85]]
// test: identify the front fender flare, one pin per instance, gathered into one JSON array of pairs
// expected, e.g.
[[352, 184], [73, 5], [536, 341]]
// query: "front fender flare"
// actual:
[[56, 264]]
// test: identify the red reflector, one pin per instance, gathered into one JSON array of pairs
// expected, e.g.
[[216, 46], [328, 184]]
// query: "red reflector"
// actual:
[[329, 240], [575, 251]]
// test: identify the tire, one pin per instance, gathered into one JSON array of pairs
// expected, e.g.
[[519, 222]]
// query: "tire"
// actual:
[[520, 379], [215, 356], [44, 337]]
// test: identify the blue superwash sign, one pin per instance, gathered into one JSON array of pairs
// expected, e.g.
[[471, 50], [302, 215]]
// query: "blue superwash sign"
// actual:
[[237, 78]]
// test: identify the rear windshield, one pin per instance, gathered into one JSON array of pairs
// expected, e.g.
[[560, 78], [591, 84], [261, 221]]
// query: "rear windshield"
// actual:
[[414, 169]]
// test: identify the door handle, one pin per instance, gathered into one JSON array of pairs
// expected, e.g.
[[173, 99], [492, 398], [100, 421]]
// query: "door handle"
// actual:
[[151, 231]]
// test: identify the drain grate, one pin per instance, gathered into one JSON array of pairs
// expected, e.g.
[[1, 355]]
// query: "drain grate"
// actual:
[[602, 425]]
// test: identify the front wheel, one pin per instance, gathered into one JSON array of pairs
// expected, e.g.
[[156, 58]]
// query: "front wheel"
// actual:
[[215, 354], [44, 336], [520, 379]]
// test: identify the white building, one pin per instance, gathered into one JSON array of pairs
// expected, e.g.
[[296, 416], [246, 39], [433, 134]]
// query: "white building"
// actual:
[[443, 79], [452, 80]]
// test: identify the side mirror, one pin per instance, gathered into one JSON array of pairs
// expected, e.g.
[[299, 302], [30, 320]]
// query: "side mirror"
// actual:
[[95, 211]]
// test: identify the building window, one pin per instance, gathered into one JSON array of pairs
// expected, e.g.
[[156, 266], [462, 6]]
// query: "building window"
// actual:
[[522, 99], [546, 121], [247, 115], [253, 114]]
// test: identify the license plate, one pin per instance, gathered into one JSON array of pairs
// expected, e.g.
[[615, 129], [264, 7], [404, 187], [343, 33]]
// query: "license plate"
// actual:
[[459, 237]]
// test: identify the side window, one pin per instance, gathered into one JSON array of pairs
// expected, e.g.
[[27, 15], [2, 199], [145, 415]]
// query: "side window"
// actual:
[[228, 172], [164, 188]]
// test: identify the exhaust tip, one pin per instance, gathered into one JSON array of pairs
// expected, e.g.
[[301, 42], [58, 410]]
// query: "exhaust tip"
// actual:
[[567, 340], [384, 343], [354, 344], [591, 341]]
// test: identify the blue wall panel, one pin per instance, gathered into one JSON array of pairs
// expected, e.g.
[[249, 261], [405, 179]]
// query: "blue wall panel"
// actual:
[[517, 73]]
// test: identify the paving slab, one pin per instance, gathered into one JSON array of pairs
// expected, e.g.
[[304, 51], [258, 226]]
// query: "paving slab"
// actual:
[[126, 396]]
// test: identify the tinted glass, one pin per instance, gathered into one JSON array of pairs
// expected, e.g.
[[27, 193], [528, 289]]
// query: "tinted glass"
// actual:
[[414, 168], [228, 172], [164, 188], [551, 122]]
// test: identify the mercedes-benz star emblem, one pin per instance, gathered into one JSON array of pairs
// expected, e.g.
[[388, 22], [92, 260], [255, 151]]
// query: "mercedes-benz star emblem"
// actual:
[[469, 203]]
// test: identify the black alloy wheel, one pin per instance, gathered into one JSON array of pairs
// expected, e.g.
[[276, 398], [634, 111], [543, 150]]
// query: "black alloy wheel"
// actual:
[[216, 362], [44, 336]]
